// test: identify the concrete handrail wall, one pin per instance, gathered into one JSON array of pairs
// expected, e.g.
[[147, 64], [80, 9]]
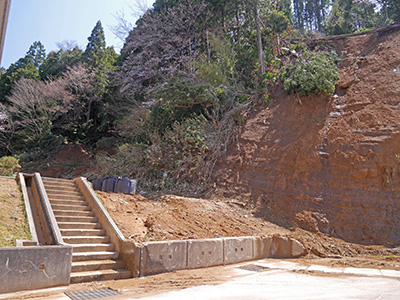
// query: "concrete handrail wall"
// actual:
[[117, 238], [48, 211], [28, 208]]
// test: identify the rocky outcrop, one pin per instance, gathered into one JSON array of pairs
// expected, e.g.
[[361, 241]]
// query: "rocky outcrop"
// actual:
[[332, 163]]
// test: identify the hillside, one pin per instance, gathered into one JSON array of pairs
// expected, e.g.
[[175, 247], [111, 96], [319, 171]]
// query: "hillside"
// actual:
[[329, 164]]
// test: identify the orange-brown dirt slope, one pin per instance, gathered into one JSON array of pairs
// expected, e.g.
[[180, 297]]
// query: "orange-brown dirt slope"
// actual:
[[332, 163]]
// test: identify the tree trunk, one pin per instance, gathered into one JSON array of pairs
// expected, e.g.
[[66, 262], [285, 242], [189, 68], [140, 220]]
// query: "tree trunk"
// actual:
[[208, 46], [237, 27], [259, 41]]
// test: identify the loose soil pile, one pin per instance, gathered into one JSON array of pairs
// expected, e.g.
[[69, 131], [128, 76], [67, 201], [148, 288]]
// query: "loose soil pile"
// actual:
[[172, 217], [176, 218]]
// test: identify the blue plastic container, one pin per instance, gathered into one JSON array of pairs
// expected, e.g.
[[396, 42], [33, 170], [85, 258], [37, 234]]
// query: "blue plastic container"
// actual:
[[110, 184], [123, 185], [96, 183], [104, 184]]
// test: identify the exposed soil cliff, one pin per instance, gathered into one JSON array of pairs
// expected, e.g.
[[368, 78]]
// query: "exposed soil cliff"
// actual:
[[332, 163]]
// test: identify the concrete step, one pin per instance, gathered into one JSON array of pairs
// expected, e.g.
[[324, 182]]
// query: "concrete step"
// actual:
[[73, 213], [68, 189], [83, 232], [92, 247], [62, 193], [92, 265], [70, 207], [62, 196], [86, 239], [84, 256], [58, 182], [109, 274], [68, 202], [79, 219], [76, 225]]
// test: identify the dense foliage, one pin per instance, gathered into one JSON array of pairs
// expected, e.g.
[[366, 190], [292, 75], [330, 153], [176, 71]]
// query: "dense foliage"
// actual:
[[188, 72], [310, 74]]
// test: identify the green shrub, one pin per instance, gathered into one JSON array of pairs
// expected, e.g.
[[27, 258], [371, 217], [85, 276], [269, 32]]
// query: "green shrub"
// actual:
[[9, 165], [182, 97], [310, 74]]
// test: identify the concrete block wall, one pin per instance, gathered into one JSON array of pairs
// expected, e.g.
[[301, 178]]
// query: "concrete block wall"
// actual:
[[262, 247], [159, 257], [238, 250], [205, 253], [28, 268]]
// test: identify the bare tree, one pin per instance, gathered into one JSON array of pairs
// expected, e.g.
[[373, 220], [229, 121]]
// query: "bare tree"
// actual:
[[123, 27], [137, 9], [7, 131], [35, 105], [162, 44], [66, 45]]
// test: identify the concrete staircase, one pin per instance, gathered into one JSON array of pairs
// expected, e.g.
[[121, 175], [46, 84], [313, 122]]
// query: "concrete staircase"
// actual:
[[94, 257]]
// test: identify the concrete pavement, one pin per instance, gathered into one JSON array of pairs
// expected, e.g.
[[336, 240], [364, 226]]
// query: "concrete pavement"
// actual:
[[280, 285], [263, 279], [288, 280]]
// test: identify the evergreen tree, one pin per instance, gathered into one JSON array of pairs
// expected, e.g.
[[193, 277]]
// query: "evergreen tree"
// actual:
[[390, 10], [348, 16], [298, 14], [36, 54], [100, 61], [285, 6], [26, 67], [310, 14], [58, 62], [96, 46]]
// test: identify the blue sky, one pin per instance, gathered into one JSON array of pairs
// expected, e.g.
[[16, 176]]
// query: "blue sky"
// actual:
[[53, 21]]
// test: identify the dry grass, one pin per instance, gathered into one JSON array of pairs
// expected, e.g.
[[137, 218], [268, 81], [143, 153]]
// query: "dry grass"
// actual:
[[13, 222]]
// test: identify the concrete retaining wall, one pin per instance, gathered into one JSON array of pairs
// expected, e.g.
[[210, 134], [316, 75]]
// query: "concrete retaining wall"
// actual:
[[158, 257], [161, 257], [205, 253], [27, 268]]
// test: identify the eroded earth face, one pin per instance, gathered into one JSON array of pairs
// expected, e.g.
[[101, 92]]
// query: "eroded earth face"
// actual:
[[332, 163]]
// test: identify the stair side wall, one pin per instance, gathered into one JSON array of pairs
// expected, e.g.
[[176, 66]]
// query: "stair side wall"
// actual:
[[104, 218], [28, 268]]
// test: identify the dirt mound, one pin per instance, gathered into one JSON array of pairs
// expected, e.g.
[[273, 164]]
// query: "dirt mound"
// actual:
[[176, 218], [172, 217], [332, 164]]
